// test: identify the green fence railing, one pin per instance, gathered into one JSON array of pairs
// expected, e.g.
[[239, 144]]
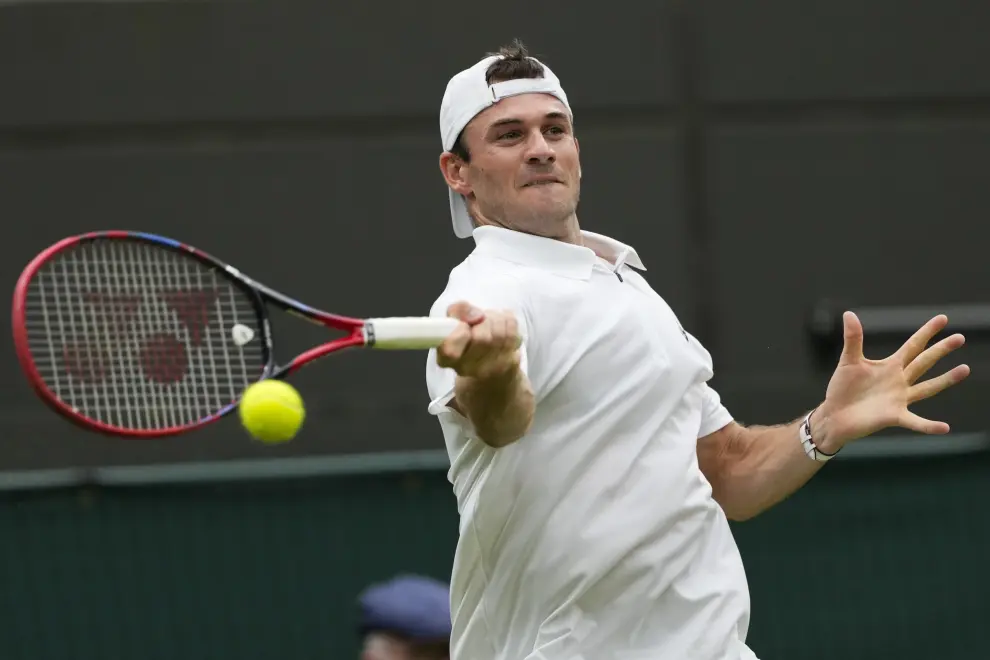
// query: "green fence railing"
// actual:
[[874, 559]]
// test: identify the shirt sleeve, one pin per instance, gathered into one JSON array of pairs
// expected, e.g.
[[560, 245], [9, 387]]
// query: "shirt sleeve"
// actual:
[[492, 294], [714, 416]]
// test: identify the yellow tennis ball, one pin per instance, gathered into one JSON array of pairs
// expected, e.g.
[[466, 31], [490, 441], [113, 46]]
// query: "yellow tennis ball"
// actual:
[[272, 411]]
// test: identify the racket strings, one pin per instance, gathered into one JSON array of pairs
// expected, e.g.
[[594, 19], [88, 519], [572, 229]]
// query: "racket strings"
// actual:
[[141, 337]]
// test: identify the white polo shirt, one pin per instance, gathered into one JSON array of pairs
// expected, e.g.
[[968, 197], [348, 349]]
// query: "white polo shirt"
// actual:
[[595, 536]]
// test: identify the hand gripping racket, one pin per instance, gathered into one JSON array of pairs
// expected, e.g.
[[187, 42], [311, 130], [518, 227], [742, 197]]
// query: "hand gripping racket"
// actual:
[[138, 335]]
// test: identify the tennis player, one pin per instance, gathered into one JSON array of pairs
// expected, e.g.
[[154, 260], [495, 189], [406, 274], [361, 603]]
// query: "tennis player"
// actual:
[[595, 468]]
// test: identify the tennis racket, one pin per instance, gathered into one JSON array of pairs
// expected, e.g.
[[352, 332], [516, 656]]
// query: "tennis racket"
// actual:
[[137, 335]]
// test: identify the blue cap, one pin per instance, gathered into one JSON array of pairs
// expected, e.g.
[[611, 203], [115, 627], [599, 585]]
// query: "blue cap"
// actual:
[[409, 605]]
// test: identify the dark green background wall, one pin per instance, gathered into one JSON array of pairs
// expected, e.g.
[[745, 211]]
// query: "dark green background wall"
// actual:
[[761, 156], [871, 560]]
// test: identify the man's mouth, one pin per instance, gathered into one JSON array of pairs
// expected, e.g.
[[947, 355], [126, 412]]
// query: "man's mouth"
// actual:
[[541, 182]]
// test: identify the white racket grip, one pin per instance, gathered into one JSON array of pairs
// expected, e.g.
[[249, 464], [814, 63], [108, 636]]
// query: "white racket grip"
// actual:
[[408, 333]]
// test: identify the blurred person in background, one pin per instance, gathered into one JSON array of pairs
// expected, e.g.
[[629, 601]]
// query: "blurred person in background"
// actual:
[[405, 618]]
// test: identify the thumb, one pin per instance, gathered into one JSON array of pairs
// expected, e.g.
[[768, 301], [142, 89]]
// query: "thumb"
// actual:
[[852, 338], [465, 311]]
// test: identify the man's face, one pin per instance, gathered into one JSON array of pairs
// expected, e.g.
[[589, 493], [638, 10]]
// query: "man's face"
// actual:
[[524, 172]]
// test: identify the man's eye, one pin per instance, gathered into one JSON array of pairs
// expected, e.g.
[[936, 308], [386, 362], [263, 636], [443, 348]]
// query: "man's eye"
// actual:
[[509, 135], [556, 130]]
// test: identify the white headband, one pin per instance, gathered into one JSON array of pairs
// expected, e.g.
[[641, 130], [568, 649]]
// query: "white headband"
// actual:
[[468, 94]]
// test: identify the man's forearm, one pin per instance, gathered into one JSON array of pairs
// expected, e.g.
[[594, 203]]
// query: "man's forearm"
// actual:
[[501, 409], [762, 466]]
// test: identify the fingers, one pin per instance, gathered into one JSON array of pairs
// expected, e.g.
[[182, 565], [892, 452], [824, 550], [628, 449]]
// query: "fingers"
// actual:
[[913, 422], [480, 346], [852, 337], [933, 386], [505, 331], [496, 334], [466, 312], [452, 349], [481, 337], [513, 338], [921, 364], [913, 347]]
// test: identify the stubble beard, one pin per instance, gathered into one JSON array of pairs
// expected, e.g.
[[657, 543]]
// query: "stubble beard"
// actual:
[[541, 219]]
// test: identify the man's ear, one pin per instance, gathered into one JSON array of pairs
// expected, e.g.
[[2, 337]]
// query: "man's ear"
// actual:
[[454, 170]]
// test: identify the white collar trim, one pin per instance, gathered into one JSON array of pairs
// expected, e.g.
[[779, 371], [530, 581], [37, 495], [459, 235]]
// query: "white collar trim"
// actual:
[[562, 258]]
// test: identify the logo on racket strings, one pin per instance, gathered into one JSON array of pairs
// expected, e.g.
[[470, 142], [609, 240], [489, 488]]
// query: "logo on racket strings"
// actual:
[[241, 334]]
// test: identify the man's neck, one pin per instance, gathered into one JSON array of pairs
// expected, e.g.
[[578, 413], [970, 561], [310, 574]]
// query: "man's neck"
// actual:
[[570, 232]]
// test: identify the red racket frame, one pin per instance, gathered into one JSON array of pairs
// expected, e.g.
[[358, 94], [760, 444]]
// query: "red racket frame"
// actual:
[[260, 294]]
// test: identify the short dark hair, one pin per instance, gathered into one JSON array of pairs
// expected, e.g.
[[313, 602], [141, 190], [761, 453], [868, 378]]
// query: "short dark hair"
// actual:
[[515, 63]]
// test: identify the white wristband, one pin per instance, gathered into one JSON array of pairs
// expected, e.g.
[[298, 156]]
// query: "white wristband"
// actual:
[[808, 443]]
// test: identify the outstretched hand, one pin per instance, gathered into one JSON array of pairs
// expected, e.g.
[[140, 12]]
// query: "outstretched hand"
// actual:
[[866, 396]]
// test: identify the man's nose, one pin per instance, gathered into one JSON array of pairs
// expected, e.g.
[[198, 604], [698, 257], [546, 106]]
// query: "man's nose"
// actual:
[[540, 152]]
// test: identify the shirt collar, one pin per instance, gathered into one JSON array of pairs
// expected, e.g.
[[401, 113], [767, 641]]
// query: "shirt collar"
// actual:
[[556, 256]]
